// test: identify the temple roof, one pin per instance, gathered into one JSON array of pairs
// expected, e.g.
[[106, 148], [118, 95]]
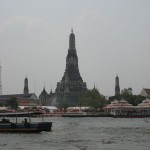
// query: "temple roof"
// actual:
[[16, 95], [147, 91]]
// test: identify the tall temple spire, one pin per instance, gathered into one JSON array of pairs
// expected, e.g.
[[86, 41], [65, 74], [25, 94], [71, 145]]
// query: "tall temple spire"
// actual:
[[26, 89], [72, 70], [117, 87], [72, 40], [71, 87]]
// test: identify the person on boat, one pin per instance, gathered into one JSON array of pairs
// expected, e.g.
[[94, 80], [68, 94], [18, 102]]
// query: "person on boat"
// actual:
[[26, 122]]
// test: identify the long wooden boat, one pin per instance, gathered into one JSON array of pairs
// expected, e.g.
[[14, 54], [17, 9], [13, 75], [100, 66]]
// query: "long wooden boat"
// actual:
[[127, 116], [130, 116], [23, 127]]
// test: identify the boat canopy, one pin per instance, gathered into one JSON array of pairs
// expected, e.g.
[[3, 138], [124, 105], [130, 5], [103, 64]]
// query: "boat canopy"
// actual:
[[19, 114]]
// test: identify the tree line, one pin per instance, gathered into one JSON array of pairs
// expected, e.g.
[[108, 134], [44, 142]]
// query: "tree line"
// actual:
[[97, 100], [92, 98], [11, 103]]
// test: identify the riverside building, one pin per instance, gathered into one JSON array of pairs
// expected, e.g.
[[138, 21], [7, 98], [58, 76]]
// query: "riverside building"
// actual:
[[25, 99]]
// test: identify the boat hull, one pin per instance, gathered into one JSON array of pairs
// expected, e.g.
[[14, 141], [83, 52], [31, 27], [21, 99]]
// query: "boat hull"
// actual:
[[26, 128], [133, 116]]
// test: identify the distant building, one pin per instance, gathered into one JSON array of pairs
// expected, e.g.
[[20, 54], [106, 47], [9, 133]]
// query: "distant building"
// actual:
[[123, 109], [71, 87], [117, 86], [26, 89], [117, 91], [145, 92], [25, 99], [45, 98]]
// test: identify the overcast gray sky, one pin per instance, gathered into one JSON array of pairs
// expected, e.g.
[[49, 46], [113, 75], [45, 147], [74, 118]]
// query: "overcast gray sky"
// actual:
[[112, 38]]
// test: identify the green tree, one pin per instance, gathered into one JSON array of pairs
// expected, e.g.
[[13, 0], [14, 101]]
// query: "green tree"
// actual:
[[93, 98], [128, 96], [12, 103], [1, 104], [135, 99]]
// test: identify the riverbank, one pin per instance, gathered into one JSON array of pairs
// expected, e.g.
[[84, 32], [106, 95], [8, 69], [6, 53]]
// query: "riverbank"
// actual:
[[87, 114]]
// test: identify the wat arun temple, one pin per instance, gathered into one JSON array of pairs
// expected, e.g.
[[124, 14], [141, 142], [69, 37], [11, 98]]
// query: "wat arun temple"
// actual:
[[71, 86]]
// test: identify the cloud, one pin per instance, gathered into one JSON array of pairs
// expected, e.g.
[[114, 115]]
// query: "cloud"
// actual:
[[26, 45], [88, 19], [29, 23]]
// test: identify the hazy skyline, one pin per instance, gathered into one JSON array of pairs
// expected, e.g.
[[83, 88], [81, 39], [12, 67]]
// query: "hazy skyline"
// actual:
[[112, 38]]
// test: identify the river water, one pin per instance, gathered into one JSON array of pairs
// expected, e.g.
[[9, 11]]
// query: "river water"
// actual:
[[97, 133]]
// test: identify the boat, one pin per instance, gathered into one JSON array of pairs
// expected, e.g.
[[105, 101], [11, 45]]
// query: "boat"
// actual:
[[23, 127], [127, 116], [132, 113]]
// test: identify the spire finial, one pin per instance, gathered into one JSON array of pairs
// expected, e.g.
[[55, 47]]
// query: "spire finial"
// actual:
[[72, 40], [71, 29], [44, 84]]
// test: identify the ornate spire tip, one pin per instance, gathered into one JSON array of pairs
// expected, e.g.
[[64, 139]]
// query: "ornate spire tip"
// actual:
[[72, 29]]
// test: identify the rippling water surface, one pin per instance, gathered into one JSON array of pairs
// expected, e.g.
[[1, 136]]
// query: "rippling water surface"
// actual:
[[84, 134]]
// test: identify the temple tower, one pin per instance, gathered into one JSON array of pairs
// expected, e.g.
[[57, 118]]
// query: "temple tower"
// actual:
[[71, 86], [43, 97], [117, 87], [26, 90]]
